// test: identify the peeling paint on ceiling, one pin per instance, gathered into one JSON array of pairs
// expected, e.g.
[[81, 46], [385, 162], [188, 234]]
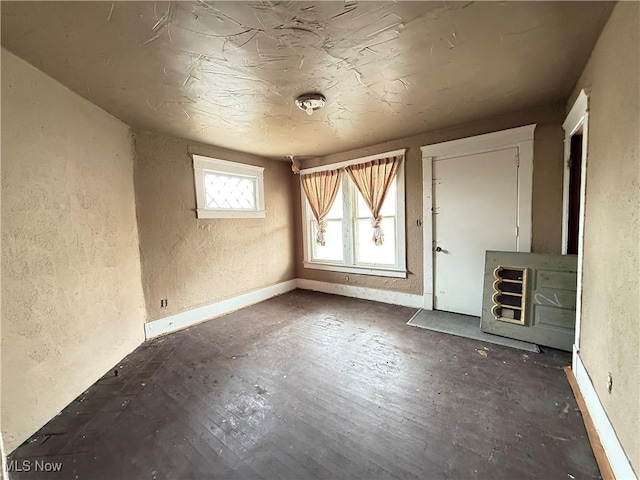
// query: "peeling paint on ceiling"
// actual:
[[227, 73]]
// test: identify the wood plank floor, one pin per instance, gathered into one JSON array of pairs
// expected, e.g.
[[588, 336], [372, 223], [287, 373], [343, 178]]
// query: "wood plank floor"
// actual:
[[309, 385]]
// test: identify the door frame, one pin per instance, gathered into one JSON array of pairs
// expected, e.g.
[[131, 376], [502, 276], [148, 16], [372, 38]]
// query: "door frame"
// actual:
[[520, 138], [578, 118]]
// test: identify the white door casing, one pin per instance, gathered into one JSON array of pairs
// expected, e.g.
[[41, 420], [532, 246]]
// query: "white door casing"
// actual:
[[474, 198], [578, 118], [520, 139]]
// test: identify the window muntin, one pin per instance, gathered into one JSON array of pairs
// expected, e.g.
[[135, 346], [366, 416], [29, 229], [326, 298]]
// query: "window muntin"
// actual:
[[228, 189], [350, 221]]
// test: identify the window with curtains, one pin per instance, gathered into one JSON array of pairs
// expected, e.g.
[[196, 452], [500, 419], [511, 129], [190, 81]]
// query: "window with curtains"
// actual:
[[348, 244]]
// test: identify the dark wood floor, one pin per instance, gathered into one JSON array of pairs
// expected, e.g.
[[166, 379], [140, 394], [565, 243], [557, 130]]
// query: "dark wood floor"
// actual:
[[309, 385]]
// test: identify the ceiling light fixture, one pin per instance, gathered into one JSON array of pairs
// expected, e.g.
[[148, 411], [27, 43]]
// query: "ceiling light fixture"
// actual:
[[310, 102]]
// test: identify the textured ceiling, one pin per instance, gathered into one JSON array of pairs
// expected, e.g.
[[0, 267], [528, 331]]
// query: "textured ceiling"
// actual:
[[227, 73]]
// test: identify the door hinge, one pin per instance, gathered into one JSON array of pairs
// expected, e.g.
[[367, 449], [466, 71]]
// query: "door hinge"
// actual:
[[517, 159], [517, 232]]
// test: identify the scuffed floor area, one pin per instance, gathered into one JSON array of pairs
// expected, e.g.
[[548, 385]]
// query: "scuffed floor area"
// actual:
[[309, 385]]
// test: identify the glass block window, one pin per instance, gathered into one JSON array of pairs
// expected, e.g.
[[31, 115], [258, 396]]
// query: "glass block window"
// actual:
[[228, 190]]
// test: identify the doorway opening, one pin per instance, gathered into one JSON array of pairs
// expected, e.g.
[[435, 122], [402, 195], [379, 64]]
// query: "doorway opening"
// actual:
[[575, 175], [576, 135]]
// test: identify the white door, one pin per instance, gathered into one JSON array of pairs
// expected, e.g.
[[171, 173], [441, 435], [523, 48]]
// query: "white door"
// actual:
[[475, 199]]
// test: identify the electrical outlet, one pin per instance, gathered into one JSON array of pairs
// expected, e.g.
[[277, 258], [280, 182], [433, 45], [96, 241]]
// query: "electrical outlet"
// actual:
[[163, 303], [609, 382]]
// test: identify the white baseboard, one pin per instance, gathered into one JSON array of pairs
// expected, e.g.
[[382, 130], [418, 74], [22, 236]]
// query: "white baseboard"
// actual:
[[615, 454], [200, 314], [384, 296]]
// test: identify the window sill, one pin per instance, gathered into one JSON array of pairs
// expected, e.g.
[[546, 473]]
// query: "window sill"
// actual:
[[200, 213], [379, 272]]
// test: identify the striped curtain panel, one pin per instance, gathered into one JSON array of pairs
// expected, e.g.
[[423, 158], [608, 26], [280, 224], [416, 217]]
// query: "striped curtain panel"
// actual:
[[321, 189], [373, 180]]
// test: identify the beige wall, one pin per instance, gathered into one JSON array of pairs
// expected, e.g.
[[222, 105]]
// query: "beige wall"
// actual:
[[2, 449], [547, 192], [193, 262], [609, 340], [72, 301]]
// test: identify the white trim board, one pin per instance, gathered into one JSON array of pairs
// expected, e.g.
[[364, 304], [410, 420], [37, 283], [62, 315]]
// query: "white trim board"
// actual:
[[578, 118], [427, 230], [576, 114], [380, 272], [207, 312], [480, 143], [615, 454], [384, 296]]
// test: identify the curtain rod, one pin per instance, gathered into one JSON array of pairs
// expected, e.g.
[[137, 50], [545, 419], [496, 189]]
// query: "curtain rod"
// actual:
[[355, 161]]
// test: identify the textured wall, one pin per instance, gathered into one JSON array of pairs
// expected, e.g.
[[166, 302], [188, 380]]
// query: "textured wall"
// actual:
[[2, 447], [193, 262], [71, 294], [547, 192], [610, 332]]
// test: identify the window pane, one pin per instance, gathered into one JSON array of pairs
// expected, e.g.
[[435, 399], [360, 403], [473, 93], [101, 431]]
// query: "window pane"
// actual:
[[367, 251], [388, 207], [336, 209], [362, 210], [332, 250], [229, 192]]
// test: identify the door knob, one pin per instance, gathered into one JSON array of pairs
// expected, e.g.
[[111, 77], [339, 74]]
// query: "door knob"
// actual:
[[438, 249]]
